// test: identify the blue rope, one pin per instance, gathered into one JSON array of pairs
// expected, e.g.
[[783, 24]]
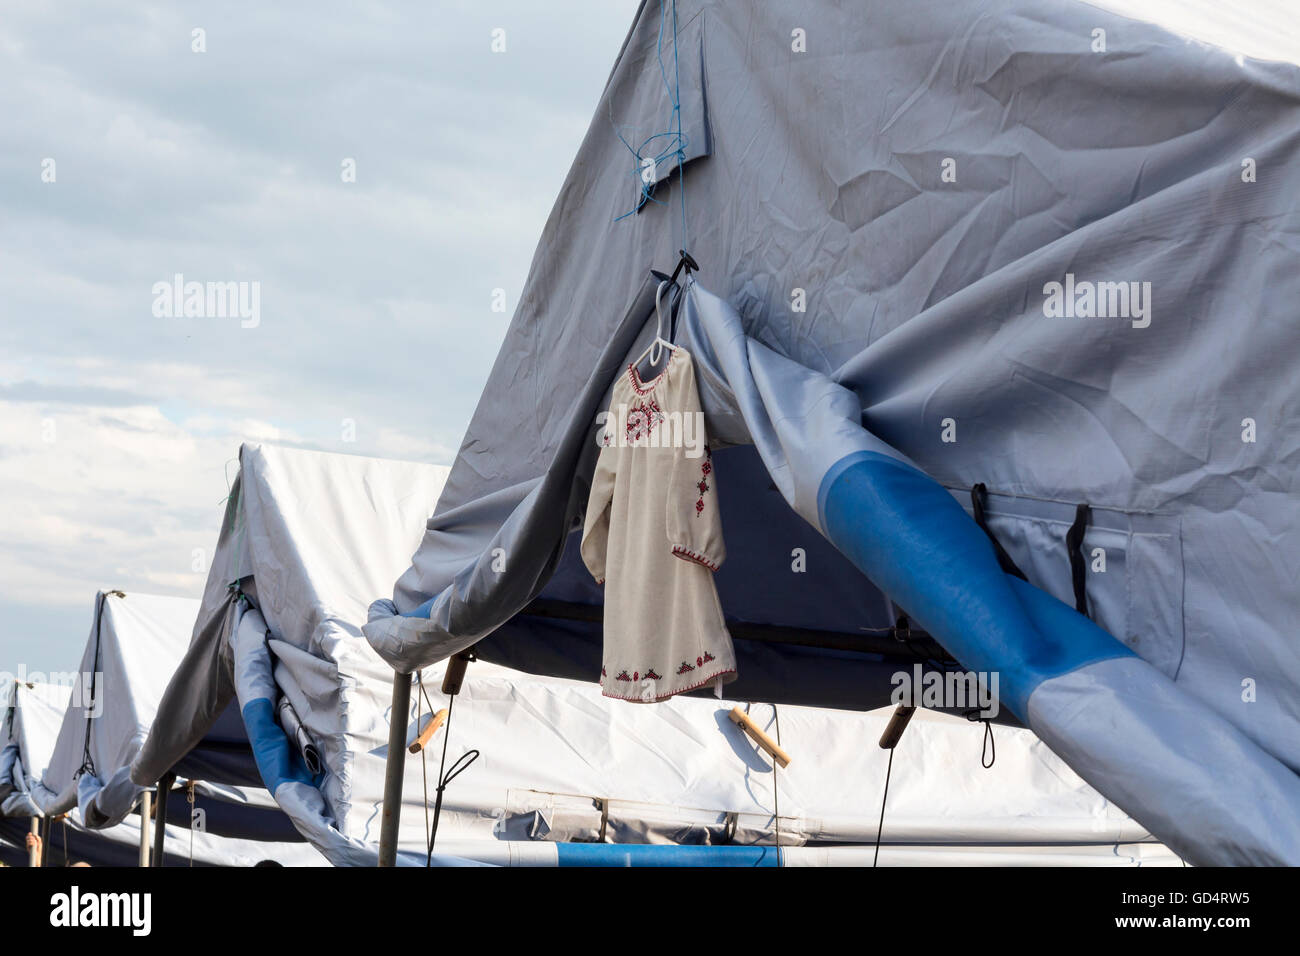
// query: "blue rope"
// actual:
[[676, 138], [681, 147]]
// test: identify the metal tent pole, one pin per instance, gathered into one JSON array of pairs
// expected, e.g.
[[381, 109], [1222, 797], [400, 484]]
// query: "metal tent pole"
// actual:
[[394, 768], [395, 763], [146, 805], [34, 854], [160, 815]]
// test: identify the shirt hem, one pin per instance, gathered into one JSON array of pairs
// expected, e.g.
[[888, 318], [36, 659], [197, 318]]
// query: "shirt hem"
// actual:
[[654, 700]]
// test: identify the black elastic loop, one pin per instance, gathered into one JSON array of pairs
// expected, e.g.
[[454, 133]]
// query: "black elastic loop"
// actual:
[[1078, 562], [977, 494], [460, 766], [989, 748]]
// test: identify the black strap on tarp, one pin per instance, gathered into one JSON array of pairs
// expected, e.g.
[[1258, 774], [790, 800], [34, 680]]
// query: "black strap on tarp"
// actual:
[[88, 762], [1078, 561], [977, 495]]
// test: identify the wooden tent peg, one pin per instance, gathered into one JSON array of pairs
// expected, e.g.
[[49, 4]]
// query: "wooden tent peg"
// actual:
[[746, 723], [429, 730]]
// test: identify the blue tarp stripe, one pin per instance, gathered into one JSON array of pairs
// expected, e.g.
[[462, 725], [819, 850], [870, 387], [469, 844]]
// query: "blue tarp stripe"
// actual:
[[605, 854], [423, 610], [276, 760], [908, 534]]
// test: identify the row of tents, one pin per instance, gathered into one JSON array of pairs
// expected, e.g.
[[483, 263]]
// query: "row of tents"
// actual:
[[991, 305], [563, 775]]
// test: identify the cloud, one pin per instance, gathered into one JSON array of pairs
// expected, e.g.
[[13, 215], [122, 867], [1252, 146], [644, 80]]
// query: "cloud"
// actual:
[[376, 319], [66, 394]]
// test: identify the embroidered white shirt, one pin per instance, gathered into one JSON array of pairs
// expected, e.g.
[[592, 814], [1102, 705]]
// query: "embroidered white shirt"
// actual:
[[653, 536]]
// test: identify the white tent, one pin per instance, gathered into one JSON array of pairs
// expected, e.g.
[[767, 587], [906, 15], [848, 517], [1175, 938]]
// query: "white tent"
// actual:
[[82, 767], [563, 775], [33, 715], [560, 764], [127, 659]]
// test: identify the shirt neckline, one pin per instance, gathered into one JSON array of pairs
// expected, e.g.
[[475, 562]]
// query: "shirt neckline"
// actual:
[[644, 388]]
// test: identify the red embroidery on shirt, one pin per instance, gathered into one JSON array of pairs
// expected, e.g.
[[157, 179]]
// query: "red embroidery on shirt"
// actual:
[[685, 668], [699, 661], [640, 387], [650, 674], [642, 419], [689, 555], [706, 469]]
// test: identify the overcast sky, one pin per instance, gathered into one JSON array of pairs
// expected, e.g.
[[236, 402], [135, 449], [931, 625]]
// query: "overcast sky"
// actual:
[[127, 158]]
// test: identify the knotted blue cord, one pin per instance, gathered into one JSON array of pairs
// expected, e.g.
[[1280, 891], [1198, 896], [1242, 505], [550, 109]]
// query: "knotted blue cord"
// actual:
[[677, 140]]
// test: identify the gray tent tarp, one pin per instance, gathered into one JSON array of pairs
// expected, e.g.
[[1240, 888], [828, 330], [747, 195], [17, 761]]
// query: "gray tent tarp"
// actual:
[[1037, 246]]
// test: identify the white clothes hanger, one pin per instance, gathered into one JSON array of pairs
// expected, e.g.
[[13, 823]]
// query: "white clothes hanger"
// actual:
[[656, 347]]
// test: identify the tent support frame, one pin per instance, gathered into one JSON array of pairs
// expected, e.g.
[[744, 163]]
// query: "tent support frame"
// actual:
[[394, 769], [146, 808], [395, 761], [160, 817]]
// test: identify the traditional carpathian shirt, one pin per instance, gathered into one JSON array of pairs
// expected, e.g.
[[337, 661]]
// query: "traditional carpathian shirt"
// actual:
[[653, 537]]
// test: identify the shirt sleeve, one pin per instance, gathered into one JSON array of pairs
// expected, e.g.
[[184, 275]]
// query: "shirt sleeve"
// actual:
[[694, 520], [595, 529]]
